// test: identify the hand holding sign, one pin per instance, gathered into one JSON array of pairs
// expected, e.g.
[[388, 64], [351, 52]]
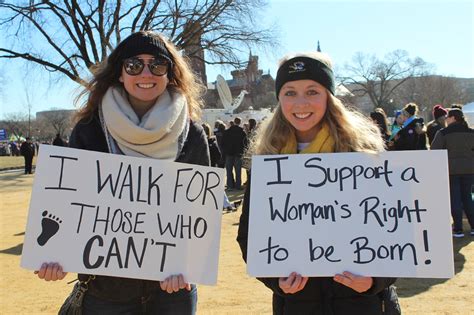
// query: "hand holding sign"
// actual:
[[357, 283], [174, 284], [51, 272], [128, 217], [292, 284], [370, 214]]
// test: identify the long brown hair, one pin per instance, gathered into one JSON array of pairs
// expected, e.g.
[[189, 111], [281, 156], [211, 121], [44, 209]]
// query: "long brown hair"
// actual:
[[107, 74]]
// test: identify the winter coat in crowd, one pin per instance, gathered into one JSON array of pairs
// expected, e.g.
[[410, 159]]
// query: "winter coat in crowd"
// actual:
[[431, 129], [458, 139], [234, 141], [214, 151], [410, 137]]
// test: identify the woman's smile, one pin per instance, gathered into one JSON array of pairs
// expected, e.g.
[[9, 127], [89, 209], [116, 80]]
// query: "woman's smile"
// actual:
[[146, 85], [302, 115]]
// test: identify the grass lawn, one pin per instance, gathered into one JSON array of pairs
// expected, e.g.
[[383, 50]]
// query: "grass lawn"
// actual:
[[8, 162]]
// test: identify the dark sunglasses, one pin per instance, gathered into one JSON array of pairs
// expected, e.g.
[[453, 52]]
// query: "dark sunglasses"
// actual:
[[135, 66]]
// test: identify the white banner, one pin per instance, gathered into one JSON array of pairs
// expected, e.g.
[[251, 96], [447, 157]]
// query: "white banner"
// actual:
[[384, 214], [115, 215]]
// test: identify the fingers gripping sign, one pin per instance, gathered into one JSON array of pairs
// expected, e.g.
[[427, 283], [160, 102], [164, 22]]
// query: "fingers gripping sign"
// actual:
[[357, 283], [174, 284], [51, 272], [292, 284]]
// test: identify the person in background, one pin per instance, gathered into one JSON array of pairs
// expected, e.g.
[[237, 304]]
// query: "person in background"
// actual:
[[380, 119], [310, 119], [438, 122], [214, 150], [215, 158], [14, 149], [458, 139], [143, 101], [412, 135], [234, 144], [58, 141], [251, 133], [395, 128], [397, 123], [219, 128], [27, 149]]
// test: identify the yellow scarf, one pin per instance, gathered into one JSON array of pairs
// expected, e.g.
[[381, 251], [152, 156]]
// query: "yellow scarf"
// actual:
[[323, 143]]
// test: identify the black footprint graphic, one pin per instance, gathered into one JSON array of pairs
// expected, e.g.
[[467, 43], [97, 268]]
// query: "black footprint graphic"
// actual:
[[50, 226]]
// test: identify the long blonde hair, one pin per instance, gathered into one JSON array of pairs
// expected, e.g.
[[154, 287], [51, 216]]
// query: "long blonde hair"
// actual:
[[107, 74], [350, 130]]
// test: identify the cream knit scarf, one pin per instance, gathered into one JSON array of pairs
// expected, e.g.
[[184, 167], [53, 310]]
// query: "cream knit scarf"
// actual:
[[159, 134]]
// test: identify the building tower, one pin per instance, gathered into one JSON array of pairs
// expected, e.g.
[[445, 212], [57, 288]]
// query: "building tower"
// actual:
[[193, 50]]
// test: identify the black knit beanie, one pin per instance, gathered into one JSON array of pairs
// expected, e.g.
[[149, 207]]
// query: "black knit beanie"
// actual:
[[305, 68], [142, 43]]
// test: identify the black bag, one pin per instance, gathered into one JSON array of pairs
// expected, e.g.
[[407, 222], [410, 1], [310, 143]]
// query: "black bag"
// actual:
[[390, 305], [73, 303]]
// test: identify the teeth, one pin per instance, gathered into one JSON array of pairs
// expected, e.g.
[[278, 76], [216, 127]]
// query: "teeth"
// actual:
[[302, 115], [145, 85]]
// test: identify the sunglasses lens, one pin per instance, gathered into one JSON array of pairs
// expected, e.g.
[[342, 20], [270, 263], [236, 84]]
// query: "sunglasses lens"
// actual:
[[133, 66], [159, 67]]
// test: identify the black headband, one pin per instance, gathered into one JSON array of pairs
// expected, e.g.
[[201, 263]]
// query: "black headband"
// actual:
[[305, 68], [143, 43]]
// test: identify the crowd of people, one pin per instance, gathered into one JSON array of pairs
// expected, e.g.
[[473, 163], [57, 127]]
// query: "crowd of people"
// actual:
[[448, 130], [29, 148], [144, 101]]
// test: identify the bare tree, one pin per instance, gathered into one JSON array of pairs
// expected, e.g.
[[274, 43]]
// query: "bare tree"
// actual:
[[55, 121], [16, 124], [432, 90], [29, 95], [379, 79], [71, 36]]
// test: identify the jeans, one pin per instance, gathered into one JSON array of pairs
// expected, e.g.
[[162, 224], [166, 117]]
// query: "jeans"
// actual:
[[234, 162], [28, 164], [460, 187], [182, 302]]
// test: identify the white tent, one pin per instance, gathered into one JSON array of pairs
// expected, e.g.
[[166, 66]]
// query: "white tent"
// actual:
[[468, 110]]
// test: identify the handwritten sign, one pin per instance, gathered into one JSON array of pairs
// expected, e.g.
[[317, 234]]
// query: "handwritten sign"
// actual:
[[116, 215], [384, 214]]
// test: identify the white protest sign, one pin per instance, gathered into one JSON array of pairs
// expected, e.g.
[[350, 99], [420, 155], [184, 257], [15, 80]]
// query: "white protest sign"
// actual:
[[115, 215], [384, 214]]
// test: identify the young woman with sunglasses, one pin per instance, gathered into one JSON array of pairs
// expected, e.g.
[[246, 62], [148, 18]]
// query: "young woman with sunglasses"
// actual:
[[142, 101], [310, 119]]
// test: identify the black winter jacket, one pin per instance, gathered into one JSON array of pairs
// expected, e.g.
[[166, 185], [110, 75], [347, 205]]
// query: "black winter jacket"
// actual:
[[27, 150], [431, 129], [234, 141], [409, 139], [458, 139], [88, 135], [214, 151], [321, 295]]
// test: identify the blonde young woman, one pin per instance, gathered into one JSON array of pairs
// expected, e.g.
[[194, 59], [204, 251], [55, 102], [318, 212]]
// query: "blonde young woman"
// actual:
[[310, 119], [142, 101]]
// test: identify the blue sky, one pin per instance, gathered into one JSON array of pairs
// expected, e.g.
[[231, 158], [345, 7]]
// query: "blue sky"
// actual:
[[440, 32]]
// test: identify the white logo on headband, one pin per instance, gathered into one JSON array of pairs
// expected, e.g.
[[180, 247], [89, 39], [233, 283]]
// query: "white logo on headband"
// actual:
[[297, 66]]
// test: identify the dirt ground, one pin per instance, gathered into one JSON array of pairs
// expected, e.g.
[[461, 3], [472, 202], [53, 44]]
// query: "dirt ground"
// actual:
[[236, 293]]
